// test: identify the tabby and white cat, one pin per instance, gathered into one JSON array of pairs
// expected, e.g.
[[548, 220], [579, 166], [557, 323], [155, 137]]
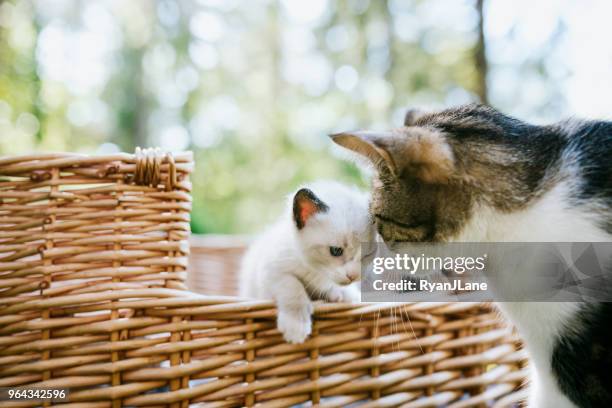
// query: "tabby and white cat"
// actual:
[[313, 252], [471, 174]]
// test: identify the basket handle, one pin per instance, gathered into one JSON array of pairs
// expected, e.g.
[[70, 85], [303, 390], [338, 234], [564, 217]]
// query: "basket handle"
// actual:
[[148, 167]]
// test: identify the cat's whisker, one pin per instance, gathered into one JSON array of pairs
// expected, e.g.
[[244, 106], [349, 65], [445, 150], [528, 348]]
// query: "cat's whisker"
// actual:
[[412, 329], [396, 316]]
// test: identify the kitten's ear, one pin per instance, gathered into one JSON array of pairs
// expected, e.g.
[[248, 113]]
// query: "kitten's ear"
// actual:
[[305, 205], [371, 145]]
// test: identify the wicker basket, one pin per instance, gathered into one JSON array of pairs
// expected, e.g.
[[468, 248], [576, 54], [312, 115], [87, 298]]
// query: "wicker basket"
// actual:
[[93, 254], [409, 355], [213, 263]]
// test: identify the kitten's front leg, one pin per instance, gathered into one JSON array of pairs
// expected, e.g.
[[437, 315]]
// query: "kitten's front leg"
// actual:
[[294, 309]]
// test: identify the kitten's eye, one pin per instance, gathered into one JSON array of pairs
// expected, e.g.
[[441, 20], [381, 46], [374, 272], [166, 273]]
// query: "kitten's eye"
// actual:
[[336, 251]]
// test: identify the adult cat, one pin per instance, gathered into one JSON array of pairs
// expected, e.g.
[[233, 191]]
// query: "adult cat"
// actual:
[[472, 174]]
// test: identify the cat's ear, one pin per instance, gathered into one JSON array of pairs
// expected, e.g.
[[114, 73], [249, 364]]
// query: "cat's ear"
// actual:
[[426, 155], [410, 151], [411, 116], [305, 205], [372, 145]]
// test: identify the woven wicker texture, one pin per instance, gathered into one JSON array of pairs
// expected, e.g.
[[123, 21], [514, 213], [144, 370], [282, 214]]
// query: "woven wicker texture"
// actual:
[[93, 254], [409, 355], [214, 261]]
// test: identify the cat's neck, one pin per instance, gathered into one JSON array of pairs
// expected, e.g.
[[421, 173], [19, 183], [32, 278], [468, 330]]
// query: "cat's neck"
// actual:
[[553, 217]]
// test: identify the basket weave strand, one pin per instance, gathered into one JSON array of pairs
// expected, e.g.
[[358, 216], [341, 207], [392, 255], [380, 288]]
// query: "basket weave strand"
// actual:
[[93, 254]]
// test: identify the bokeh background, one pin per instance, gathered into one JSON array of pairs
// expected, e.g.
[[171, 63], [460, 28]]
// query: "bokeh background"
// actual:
[[254, 87]]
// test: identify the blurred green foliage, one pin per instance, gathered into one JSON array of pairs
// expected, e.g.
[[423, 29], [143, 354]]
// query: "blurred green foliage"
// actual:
[[252, 87]]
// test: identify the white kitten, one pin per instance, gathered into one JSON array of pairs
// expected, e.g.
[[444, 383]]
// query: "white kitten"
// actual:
[[313, 252]]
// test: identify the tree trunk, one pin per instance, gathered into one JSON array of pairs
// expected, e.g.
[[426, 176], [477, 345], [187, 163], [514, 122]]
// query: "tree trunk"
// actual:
[[480, 56]]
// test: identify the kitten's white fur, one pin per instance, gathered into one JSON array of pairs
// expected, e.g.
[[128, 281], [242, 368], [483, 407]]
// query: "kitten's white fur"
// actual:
[[294, 266], [551, 219]]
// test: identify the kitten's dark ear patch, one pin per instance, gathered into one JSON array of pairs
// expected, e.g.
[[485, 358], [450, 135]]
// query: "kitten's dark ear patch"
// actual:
[[370, 145], [428, 156], [305, 205]]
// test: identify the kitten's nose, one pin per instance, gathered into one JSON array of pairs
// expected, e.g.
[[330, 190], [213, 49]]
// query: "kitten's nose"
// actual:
[[352, 276]]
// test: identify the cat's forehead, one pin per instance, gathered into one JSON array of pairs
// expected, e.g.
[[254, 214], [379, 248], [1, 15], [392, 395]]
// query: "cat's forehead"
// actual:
[[433, 212]]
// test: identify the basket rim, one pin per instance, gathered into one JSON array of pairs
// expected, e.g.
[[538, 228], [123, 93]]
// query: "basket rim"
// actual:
[[182, 156]]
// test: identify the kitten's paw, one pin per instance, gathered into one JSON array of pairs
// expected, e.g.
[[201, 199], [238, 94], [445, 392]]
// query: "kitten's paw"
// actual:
[[352, 294], [348, 294], [295, 326], [335, 295]]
